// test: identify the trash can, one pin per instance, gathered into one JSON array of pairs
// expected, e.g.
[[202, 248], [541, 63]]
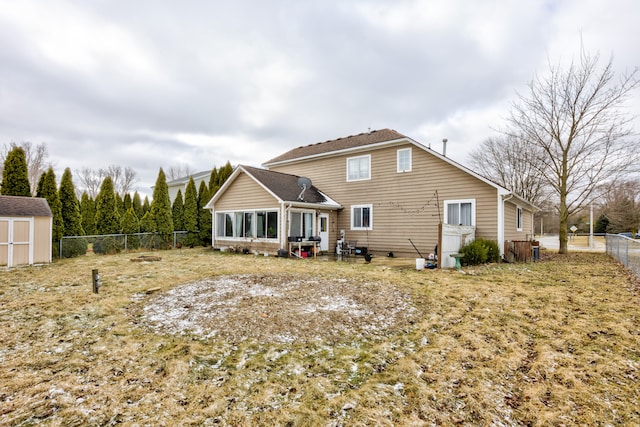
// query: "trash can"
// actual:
[[536, 253]]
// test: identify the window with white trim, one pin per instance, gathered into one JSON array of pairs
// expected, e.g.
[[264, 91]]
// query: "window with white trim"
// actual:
[[362, 217], [247, 224], [359, 168], [518, 218], [460, 212], [404, 160], [301, 223]]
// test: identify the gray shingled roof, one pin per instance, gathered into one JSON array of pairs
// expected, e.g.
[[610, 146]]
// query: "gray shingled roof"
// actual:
[[339, 144], [285, 186], [24, 206]]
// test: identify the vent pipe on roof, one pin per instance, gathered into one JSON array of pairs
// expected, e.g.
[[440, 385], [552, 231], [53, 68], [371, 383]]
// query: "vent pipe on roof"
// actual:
[[444, 147]]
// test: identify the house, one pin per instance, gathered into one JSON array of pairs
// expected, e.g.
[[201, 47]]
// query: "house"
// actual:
[[25, 231], [381, 190], [181, 183]]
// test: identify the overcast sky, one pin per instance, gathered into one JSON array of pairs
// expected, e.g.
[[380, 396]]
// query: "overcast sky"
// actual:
[[151, 84]]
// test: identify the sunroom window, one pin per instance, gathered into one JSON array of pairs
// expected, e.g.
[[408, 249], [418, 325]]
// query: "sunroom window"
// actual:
[[247, 224], [301, 224]]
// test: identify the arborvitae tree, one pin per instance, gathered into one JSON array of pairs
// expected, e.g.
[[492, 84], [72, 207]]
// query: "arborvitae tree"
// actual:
[[223, 173], [129, 224], [15, 175], [50, 192], [120, 204], [107, 219], [147, 224], [71, 218], [40, 184], [178, 212], [137, 205], [213, 180], [190, 219], [146, 206], [161, 209], [204, 215], [88, 214], [127, 203]]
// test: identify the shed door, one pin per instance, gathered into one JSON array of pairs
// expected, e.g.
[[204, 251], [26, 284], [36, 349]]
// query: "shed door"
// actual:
[[15, 241], [4, 242]]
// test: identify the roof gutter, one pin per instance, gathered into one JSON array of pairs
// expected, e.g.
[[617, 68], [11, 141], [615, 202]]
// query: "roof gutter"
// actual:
[[380, 144]]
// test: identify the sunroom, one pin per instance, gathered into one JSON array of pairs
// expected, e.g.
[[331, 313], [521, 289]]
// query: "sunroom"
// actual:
[[261, 211]]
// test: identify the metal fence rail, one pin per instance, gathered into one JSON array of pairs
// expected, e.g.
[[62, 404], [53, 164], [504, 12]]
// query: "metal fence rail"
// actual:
[[625, 250], [119, 242]]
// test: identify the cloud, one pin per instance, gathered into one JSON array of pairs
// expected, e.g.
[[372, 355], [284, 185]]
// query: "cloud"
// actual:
[[154, 84]]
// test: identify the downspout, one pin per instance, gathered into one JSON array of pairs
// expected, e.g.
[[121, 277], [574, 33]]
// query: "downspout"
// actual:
[[502, 199], [284, 243], [213, 227]]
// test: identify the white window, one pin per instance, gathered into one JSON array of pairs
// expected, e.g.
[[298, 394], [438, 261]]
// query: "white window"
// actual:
[[362, 217], [301, 224], [404, 160], [359, 168], [518, 218], [241, 224], [460, 212]]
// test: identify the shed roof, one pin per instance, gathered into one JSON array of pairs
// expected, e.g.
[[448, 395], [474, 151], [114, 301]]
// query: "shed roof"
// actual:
[[348, 142], [24, 206]]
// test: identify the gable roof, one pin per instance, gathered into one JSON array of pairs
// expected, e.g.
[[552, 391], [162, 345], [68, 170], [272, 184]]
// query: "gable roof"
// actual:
[[380, 137], [24, 206], [340, 144], [184, 180], [282, 186]]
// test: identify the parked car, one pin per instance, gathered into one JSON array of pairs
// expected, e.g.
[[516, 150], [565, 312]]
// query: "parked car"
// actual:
[[630, 235]]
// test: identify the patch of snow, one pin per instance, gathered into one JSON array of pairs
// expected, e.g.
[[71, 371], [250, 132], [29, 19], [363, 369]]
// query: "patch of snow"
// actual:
[[277, 308]]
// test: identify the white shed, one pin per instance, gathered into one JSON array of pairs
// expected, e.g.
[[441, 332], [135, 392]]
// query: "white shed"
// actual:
[[25, 231]]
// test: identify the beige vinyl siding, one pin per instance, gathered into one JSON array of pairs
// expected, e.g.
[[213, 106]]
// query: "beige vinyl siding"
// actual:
[[246, 194], [510, 230], [404, 204], [42, 239]]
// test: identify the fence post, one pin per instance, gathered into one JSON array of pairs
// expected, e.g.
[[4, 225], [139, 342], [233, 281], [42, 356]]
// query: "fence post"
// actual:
[[96, 280]]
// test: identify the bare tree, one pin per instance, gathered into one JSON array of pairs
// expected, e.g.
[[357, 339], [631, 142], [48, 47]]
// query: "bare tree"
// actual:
[[89, 181], [179, 171], [573, 119], [37, 156], [503, 160], [123, 179], [620, 203]]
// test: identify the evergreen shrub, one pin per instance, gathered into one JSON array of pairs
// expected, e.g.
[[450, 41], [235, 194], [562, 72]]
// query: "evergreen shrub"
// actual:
[[480, 251]]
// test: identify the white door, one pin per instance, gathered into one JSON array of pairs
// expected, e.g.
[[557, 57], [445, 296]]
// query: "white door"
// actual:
[[323, 231], [15, 241], [4, 242]]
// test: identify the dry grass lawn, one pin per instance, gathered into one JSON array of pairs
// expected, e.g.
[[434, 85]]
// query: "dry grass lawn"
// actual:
[[203, 338]]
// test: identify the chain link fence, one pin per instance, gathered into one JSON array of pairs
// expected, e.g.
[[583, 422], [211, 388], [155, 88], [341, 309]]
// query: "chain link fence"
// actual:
[[626, 250], [114, 243]]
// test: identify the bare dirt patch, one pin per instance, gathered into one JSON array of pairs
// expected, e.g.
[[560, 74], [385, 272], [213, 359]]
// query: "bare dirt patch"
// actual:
[[280, 308]]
